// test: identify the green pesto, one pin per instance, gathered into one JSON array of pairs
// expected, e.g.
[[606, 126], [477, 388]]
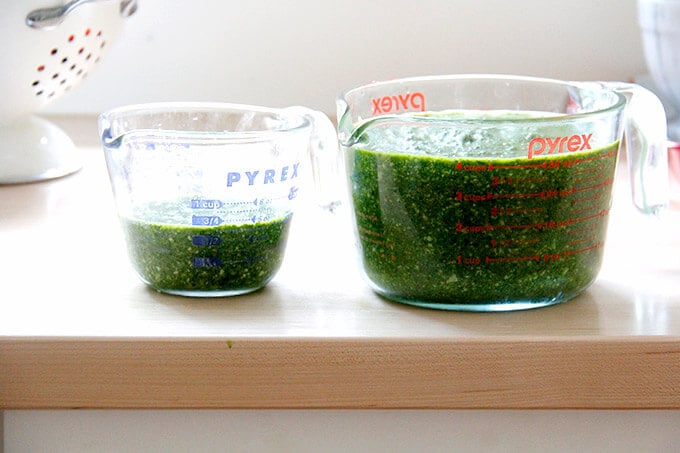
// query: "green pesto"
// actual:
[[195, 260], [448, 230]]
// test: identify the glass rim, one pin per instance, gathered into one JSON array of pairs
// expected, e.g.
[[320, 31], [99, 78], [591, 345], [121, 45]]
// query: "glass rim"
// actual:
[[618, 104], [108, 117]]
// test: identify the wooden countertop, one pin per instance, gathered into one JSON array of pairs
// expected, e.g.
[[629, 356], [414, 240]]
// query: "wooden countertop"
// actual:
[[79, 330]]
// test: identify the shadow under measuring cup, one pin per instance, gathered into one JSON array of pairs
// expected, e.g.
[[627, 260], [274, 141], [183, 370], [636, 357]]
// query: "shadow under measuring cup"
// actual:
[[206, 192]]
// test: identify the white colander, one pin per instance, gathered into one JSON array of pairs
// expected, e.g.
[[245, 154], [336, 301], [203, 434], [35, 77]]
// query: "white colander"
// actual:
[[47, 48]]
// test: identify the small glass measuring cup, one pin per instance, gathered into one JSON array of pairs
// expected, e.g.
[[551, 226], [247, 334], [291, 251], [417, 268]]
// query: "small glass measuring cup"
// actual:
[[492, 193], [205, 191]]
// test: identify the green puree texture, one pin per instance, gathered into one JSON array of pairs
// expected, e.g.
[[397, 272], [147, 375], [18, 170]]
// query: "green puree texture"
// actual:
[[229, 259], [481, 231]]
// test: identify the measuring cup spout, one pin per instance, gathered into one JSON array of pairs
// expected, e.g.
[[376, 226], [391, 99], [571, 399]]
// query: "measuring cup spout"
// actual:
[[116, 125], [106, 134], [351, 128], [345, 124]]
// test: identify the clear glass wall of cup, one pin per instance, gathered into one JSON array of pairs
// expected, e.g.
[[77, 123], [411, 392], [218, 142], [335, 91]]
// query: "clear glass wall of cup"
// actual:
[[206, 192], [492, 193]]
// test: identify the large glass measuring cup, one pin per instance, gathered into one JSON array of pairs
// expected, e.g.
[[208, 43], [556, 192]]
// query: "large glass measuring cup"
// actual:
[[489, 193], [205, 192]]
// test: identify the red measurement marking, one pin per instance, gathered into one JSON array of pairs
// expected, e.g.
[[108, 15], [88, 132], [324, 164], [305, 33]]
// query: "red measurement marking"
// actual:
[[609, 154], [605, 183], [546, 164], [508, 196], [587, 178], [460, 196], [374, 241], [538, 225], [582, 240], [476, 168], [602, 213], [472, 228], [516, 166], [510, 242], [583, 210], [496, 211], [596, 169], [367, 216], [460, 228], [549, 193], [470, 261], [592, 199], [588, 229], [548, 224], [551, 256], [371, 236], [488, 259], [369, 232], [497, 181], [583, 250]]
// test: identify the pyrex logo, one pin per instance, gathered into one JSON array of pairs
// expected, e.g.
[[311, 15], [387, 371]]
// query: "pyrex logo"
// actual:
[[264, 176], [555, 145], [397, 102]]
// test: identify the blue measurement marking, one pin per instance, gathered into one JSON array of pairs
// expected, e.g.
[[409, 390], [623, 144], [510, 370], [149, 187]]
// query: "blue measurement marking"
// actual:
[[198, 203], [206, 220], [205, 240], [207, 261], [293, 193]]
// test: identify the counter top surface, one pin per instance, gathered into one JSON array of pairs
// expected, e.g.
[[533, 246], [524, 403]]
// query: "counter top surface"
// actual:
[[78, 329]]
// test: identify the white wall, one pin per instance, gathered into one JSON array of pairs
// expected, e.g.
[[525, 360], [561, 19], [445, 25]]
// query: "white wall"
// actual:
[[283, 52]]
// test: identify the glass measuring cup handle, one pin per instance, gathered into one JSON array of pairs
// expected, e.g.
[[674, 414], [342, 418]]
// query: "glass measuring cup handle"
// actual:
[[646, 147], [324, 156]]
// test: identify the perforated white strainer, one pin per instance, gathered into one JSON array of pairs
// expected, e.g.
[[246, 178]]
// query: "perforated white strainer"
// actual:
[[48, 48]]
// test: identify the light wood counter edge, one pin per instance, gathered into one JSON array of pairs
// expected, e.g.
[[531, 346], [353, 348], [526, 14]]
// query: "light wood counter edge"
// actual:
[[317, 371], [359, 373]]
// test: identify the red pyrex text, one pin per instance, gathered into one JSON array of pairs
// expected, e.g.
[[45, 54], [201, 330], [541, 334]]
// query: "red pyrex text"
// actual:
[[554, 145], [397, 102]]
